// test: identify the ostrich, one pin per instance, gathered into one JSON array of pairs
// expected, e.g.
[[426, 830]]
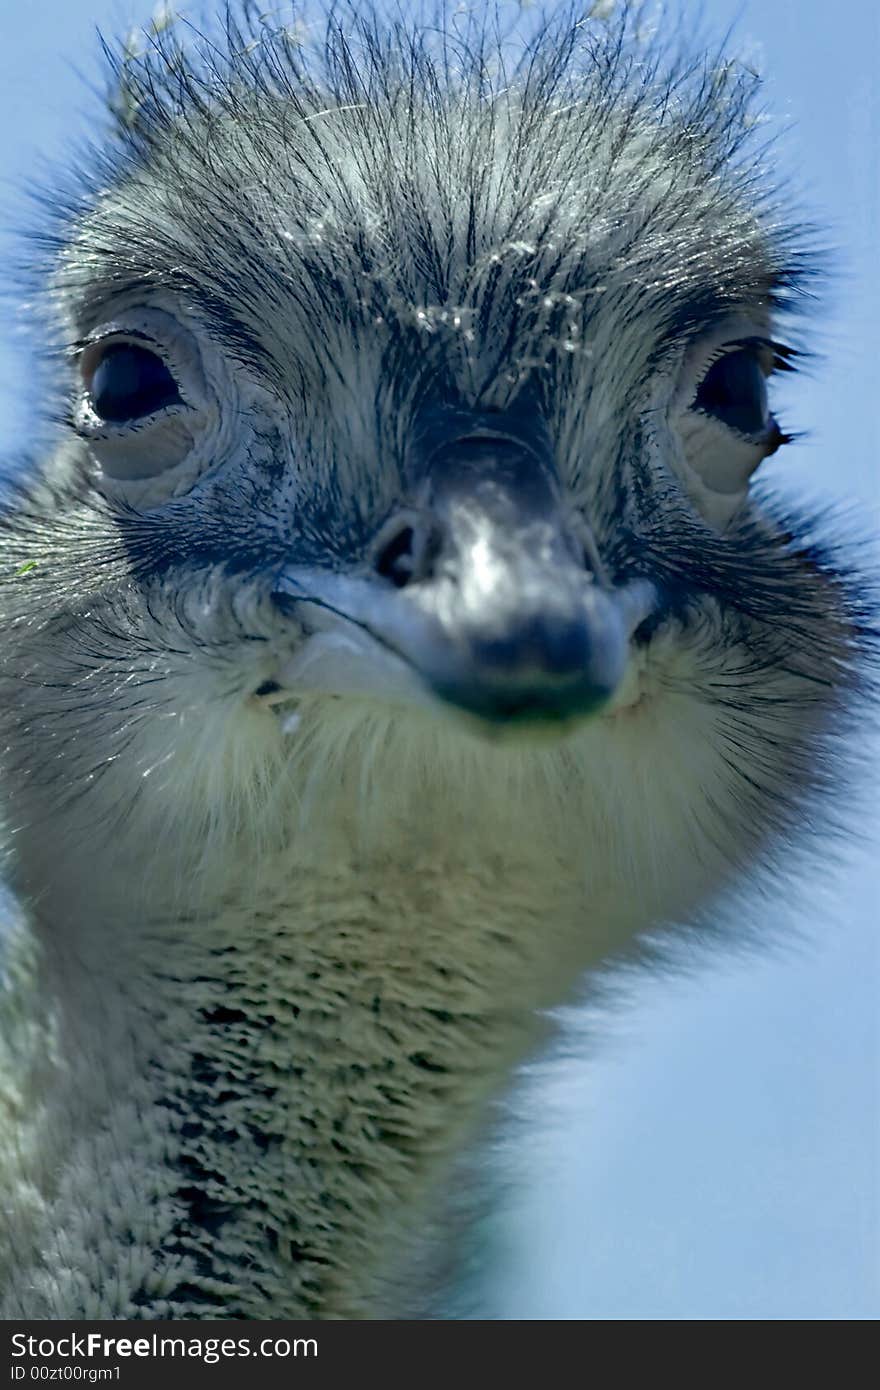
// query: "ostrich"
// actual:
[[392, 636]]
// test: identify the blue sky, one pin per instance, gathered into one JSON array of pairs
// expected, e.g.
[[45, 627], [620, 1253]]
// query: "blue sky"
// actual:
[[710, 1148]]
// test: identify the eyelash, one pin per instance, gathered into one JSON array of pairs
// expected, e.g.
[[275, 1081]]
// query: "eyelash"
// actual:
[[781, 359]]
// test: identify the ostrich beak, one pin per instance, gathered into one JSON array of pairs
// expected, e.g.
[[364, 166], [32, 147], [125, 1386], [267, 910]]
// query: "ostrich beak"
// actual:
[[483, 594]]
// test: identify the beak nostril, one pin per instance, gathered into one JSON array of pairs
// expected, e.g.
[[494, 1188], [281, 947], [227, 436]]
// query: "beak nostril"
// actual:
[[406, 550], [396, 559]]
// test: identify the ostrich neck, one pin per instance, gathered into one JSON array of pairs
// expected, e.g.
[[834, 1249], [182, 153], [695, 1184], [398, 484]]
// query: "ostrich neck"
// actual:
[[255, 1103]]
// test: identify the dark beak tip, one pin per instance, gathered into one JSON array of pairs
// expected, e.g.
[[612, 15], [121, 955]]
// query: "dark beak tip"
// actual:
[[551, 668], [559, 693], [533, 706]]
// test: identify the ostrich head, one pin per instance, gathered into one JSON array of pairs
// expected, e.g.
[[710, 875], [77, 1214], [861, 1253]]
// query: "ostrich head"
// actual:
[[403, 515], [414, 416]]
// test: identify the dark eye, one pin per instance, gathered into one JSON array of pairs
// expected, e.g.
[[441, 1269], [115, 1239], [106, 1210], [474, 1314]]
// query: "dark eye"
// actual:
[[130, 382], [734, 391]]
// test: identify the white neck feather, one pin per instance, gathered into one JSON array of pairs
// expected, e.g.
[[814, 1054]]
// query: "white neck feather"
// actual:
[[249, 1078], [252, 1110]]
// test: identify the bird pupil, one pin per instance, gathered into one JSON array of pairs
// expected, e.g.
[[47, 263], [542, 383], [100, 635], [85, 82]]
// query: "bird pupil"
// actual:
[[131, 382], [734, 390]]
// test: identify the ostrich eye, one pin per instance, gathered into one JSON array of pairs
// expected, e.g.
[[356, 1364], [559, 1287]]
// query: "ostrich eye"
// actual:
[[734, 391], [130, 382]]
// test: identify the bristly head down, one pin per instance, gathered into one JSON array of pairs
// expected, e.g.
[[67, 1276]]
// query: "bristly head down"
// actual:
[[416, 376]]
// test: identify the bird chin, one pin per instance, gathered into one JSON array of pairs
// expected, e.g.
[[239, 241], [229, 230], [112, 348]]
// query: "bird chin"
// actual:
[[342, 666]]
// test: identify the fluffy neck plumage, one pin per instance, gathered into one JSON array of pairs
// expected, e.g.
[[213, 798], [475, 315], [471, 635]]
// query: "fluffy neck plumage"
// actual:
[[250, 1076], [251, 1108]]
